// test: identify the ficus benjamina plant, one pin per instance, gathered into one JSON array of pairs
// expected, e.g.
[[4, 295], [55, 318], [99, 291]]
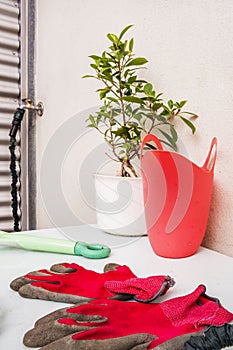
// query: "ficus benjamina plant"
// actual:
[[131, 107]]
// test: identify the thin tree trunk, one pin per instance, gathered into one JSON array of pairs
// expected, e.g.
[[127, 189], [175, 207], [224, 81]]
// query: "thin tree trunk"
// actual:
[[127, 169]]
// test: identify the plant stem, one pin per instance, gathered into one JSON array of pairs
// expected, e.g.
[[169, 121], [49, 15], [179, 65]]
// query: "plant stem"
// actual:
[[127, 169]]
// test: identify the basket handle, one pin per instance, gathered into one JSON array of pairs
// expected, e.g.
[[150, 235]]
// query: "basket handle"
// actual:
[[211, 156], [148, 138]]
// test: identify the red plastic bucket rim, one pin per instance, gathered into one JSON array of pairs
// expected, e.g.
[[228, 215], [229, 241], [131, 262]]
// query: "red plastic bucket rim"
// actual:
[[210, 160]]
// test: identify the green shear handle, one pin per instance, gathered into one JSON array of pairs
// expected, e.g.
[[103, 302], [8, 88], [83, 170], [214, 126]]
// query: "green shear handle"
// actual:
[[93, 251], [55, 245]]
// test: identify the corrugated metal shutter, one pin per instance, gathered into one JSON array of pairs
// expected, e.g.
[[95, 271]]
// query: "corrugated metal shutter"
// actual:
[[9, 96]]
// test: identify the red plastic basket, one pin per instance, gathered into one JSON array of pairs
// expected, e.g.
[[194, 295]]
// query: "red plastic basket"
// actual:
[[177, 195]]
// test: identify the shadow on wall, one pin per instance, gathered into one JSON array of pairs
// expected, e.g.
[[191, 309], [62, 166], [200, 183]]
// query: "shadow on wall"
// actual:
[[219, 241]]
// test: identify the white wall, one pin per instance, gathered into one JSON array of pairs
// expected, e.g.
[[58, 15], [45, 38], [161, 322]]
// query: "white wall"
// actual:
[[189, 48]]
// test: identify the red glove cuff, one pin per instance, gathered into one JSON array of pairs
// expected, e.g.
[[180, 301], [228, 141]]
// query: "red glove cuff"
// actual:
[[143, 289]]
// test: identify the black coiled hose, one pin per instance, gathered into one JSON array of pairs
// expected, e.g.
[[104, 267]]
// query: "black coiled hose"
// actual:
[[17, 119]]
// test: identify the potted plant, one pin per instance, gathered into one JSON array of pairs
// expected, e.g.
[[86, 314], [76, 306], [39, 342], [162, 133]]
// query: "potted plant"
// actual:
[[131, 108]]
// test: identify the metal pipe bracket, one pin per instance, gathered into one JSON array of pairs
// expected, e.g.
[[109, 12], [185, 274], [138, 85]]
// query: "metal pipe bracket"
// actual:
[[28, 104]]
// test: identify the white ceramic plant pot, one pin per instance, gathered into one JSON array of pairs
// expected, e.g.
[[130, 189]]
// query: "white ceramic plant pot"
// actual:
[[119, 205]]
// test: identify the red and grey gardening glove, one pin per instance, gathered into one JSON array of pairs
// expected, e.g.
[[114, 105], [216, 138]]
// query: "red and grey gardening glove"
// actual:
[[117, 325], [72, 283]]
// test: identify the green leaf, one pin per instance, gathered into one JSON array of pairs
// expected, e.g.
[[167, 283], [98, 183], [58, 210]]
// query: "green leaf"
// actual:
[[149, 146], [124, 31], [173, 133], [112, 37], [106, 73], [133, 124], [131, 44], [92, 120], [169, 138], [127, 146], [193, 115], [182, 103], [156, 106], [170, 104], [90, 126], [139, 61], [113, 100], [132, 79], [94, 66], [139, 80], [135, 111], [106, 77], [161, 118], [103, 56], [95, 57], [122, 132], [137, 116], [166, 111], [157, 97], [133, 99], [189, 124], [127, 72], [103, 92], [168, 144], [88, 76], [148, 88], [103, 114]]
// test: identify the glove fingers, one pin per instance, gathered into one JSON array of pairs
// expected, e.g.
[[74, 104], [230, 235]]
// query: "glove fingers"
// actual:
[[95, 307], [111, 267], [42, 275], [52, 316], [47, 333], [176, 343], [18, 282], [59, 324], [130, 342], [66, 313], [39, 291], [64, 268], [69, 268]]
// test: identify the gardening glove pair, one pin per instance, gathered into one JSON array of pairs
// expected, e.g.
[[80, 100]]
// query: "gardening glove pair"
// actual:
[[118, 325], [72, 283]]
